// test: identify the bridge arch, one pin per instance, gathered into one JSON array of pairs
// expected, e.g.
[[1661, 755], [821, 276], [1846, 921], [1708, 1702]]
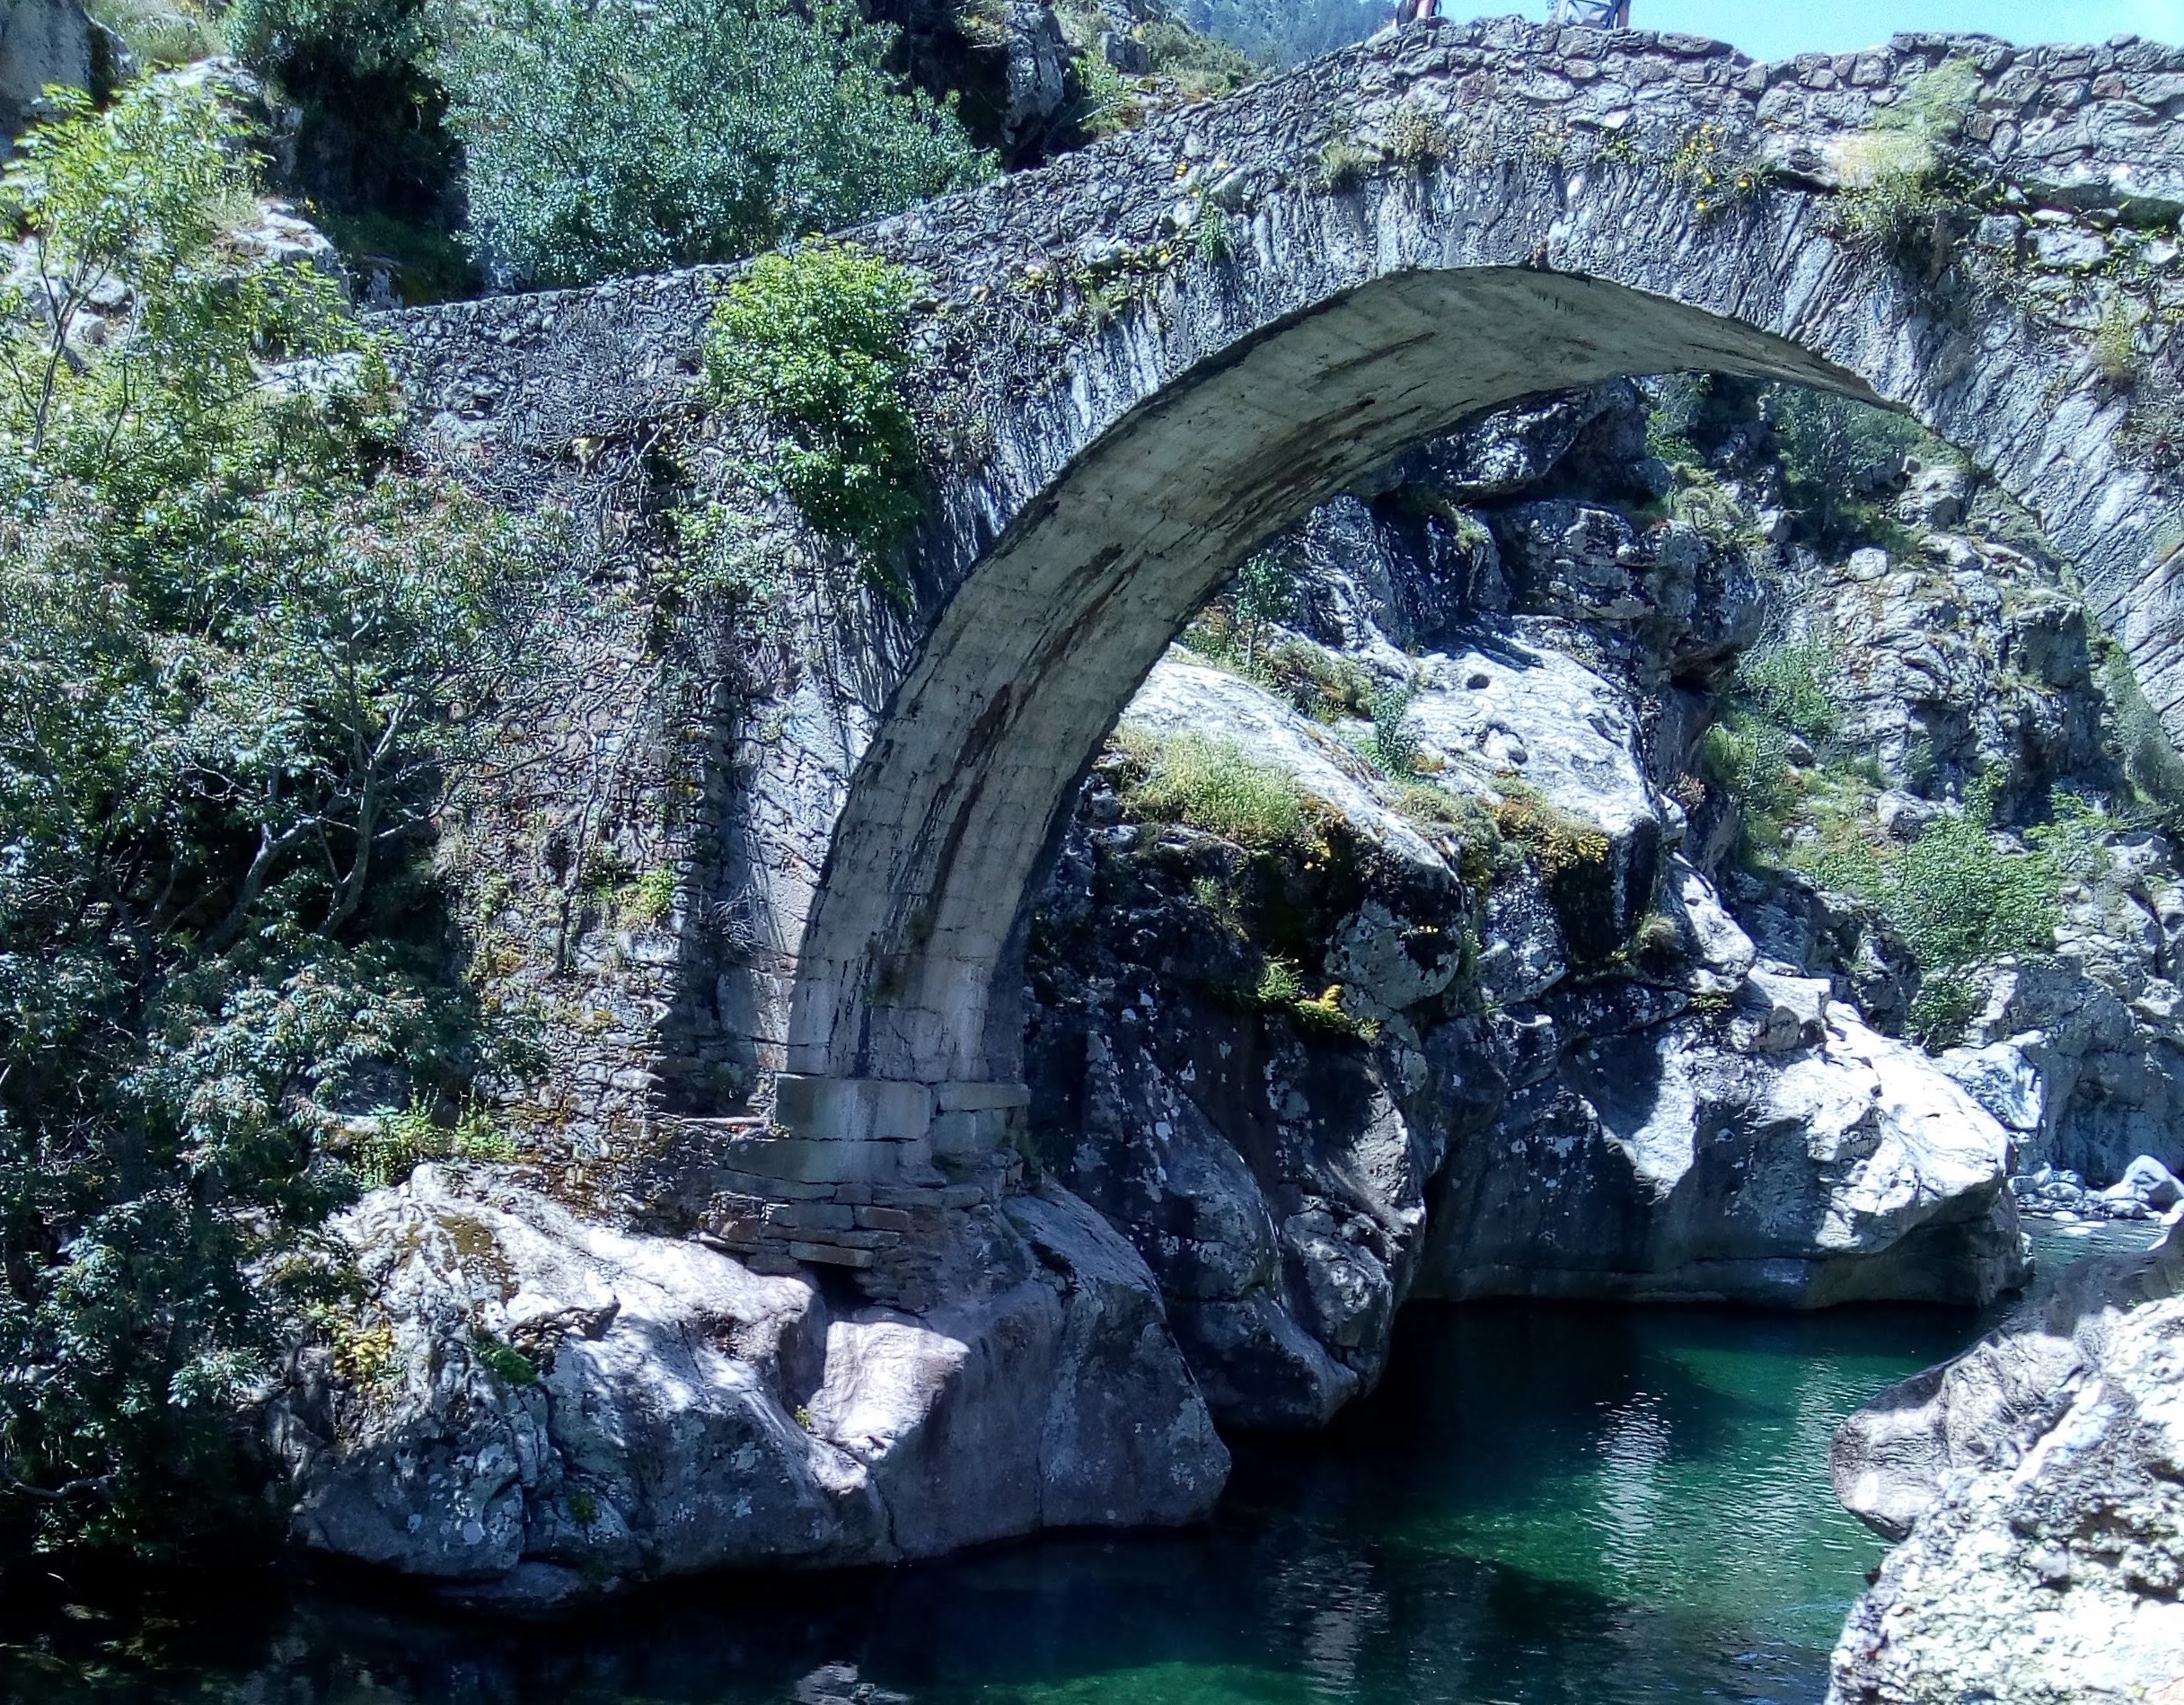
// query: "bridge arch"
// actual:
[[1171, 345], [1344, 328], [903, 973]]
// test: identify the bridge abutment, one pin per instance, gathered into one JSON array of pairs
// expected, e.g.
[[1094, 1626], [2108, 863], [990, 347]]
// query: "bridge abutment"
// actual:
[[865, 1175]]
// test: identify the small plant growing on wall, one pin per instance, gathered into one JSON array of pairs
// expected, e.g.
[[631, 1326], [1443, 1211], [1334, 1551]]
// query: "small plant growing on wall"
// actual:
[[815, 345], [1904, 193]]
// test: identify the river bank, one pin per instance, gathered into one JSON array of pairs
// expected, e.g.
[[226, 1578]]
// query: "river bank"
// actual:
[[1544, 1503]]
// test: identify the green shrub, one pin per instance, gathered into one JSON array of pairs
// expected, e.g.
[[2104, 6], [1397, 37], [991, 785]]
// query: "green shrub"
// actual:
[[609, 136], [1108, 103], [817, 345], [1264, 593], [1835, 451], [1342, 163], [1787, 684], [2116, 343], [1955, 897], [1210, 236], [650, 899], [1417, 140], [1904, 193], [1749, 760], [505, 1362], [1202, 66], [2150, 759], [242, 656], [1394, 747], [1213, 785]]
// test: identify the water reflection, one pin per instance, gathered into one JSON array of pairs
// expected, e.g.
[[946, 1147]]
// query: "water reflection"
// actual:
[[1546, 1506]]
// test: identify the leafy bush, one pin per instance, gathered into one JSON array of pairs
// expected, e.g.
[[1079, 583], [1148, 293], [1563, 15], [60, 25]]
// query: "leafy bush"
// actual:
[[1837, 452], [1215, 786], [240, 653], [1204, 67], [505, 1362], [817, 345], [2150, 759], [1394, 747], [633, 135], [1264, 593], [1956, 898]]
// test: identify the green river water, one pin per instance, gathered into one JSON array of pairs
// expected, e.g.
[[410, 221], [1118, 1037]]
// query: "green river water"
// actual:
[[1543, 1505]]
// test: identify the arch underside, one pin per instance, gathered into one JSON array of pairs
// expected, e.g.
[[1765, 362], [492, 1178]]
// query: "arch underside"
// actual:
[[1044, 642]]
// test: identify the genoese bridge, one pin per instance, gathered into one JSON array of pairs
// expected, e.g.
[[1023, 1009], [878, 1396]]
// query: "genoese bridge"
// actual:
[[1158, 351]]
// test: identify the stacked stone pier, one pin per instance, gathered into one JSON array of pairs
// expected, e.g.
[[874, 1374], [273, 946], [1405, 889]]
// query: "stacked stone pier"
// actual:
[[865, 1175]]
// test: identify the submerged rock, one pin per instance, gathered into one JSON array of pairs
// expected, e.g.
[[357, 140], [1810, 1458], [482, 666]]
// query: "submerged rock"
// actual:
[[531, 1406], [2040, 1480]]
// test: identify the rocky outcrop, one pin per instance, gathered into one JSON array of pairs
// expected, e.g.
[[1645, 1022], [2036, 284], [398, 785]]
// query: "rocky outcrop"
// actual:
[[1961, 671], [1006, 65], [44, 42], [526, 1405], [2040, 1480], [1481, 1028], [1782, 1154]]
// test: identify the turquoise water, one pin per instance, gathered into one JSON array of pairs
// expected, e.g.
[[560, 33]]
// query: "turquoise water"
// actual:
[[1544, 1505]]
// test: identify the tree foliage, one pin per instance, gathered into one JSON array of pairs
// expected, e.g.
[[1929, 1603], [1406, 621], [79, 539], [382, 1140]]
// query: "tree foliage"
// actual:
[[617, 137], [240, 649]]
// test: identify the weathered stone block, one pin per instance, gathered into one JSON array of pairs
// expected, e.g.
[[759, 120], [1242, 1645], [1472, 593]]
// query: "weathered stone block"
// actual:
[[811, 1215], [800, 1160], [971, 1134], [828, 1255], [851, 1108], [964, 1097]]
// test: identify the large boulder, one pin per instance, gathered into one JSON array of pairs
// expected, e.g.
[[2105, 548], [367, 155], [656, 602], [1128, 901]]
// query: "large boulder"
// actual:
[[526, 1405], [1780, 1153], [2040, 1478]]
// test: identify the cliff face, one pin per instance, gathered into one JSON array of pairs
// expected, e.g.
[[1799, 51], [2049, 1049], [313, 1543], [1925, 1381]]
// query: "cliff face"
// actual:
[[1484, 1024]]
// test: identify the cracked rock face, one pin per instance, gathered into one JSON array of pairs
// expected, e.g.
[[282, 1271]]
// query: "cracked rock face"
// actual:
[[2040, 1477], [557, 1407]]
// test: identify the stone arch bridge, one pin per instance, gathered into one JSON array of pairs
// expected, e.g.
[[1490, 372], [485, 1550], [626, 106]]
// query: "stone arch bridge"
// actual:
[[1161, 351]]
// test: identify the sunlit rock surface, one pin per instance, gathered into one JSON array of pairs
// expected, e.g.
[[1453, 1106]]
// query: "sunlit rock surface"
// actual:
[[2040, 1477], [531, 1406]]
